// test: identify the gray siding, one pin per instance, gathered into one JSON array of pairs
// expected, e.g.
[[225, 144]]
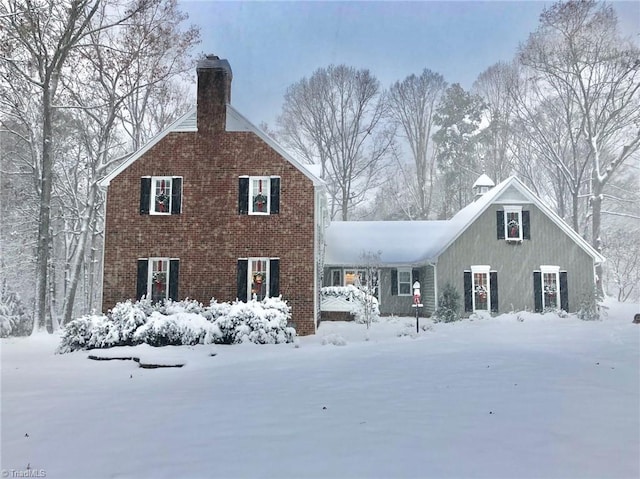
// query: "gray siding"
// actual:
[[399, 305], [515, 263]]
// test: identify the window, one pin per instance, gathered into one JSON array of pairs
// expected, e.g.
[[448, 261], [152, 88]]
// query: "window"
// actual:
[[259, 195], [404, 282], [161, 195], [481, 289], [550, 288], [336, 277], [258, 278], [158, 278], [513, 224]]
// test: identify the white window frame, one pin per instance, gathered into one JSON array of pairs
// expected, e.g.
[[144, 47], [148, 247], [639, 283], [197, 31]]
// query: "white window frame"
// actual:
[[405, 270], [550, 269], [266, 185], [152, 200], [250, 294], [150, 274], [518, 211], [486, 270]]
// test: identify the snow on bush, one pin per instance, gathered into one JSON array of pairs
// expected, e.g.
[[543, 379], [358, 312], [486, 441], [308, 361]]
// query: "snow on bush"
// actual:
[[357, 300], [14, 320], [181, 323], [177, 329], [334, 339]]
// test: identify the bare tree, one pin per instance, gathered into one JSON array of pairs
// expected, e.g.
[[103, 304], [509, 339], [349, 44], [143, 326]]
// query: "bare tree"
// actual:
[[494, 86], [335, 119], [412, 105], [577, 51]]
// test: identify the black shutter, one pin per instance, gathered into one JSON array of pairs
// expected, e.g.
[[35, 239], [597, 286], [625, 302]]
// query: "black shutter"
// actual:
[[145, 195], [500, 224], [275, 196], [274, 278], [243, 198], [493, 285], [174, 274], [537, 291], [526, 228], [143, 269], [468, 287], [415, 276], [394, 282], [564, 292], [176, 196], [243, 267]]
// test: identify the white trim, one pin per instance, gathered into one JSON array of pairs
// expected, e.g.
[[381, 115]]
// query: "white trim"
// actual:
[[486, 270], [555, 270], [267, 185], [152, 196], [150, 261], [513, 209]]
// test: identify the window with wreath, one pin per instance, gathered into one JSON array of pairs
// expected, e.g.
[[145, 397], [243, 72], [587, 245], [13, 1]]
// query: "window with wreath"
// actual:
[[550, 288], [513, 224], [259, 195], [258, 278], [158, 278], [481, 289], [160, 195]]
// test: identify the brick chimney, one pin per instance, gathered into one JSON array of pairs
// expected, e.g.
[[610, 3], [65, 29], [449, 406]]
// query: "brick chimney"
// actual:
[[214, 93]]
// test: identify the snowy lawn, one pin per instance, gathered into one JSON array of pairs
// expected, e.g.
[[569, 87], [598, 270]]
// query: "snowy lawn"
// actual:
[[546, 397]]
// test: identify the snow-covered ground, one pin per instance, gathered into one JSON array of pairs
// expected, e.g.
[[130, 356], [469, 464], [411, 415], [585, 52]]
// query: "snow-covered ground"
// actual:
[[546, 397]]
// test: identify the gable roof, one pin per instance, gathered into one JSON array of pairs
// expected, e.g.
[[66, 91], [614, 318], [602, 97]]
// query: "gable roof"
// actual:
[[417, 242], [235, 122]]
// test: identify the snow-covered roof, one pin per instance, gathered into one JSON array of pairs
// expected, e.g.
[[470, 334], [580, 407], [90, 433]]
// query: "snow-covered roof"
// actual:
[[235, 121], [484, 180], [417, 242], [398, 242]]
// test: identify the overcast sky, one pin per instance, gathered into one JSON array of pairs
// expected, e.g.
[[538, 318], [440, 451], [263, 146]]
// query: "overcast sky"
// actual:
[[271, 45]]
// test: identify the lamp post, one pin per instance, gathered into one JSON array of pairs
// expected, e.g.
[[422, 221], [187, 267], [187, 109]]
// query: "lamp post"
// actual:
[[417, 304]]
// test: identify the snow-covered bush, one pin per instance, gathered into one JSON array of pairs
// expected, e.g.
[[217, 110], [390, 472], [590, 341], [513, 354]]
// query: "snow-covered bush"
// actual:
[[262, 322], [448, 305], [89, 332], [334, 339], [14, 320], [178, 329], [589, 307], [181, 323], [127, 317], [359, 301]]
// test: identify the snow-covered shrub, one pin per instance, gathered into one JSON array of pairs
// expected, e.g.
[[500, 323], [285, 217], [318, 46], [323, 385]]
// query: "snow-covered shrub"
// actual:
[[359, 301], [127, 317], [216, 310], [176, 330], [448, 305], [334, 339], [184, 306], [262, 322], [589, 307], [88, 332], [14, 320]]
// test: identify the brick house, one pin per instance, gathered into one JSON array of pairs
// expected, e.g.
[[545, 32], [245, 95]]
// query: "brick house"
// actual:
[[212, 207]]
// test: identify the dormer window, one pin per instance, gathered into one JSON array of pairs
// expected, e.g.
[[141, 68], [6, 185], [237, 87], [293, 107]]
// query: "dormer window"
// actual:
[[513, 224]]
